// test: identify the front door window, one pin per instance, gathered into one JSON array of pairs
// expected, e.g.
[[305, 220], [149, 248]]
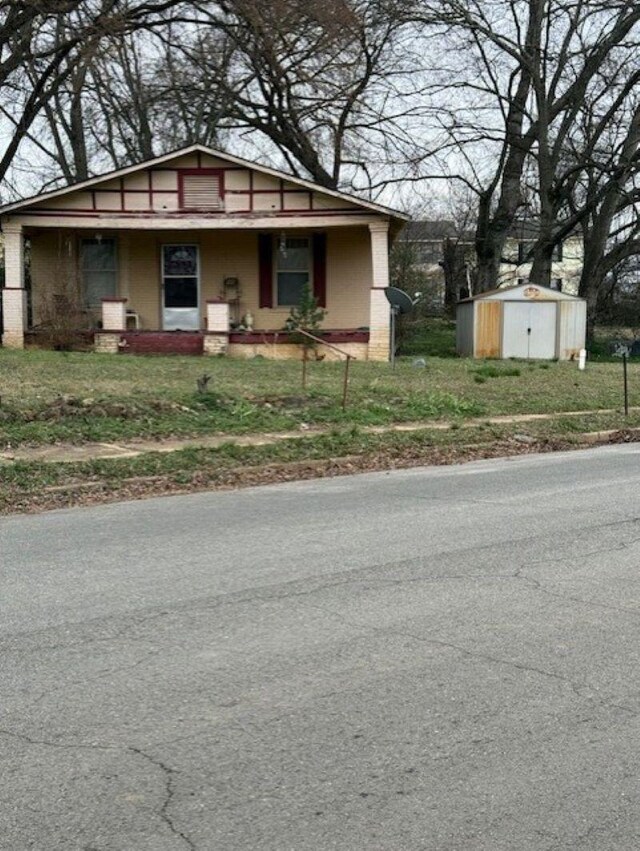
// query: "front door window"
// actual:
[[180, 284]]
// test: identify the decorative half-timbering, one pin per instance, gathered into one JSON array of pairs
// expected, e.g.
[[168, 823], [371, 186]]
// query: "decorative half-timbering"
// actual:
[[164, 238]]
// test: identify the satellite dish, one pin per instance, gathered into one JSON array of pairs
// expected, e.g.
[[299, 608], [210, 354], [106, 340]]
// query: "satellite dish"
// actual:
[[401, 302]]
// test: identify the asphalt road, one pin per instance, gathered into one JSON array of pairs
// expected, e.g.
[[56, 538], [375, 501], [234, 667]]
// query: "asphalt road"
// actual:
[[441, 658]]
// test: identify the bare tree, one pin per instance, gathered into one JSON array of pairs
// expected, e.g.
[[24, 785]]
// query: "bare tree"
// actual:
[[532, 65], [317, 79], [46, 46]]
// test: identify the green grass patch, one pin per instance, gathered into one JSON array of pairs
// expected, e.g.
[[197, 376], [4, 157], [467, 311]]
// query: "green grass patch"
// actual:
[[49, 397], [428, 337], [492, 370]]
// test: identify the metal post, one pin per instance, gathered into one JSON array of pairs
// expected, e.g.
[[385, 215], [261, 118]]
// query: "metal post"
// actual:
[[392, 353], [626, 385], [345, 386], [304, 367]]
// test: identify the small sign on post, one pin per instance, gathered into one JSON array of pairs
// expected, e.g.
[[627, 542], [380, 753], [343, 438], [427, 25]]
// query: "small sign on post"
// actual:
[[622, 350]]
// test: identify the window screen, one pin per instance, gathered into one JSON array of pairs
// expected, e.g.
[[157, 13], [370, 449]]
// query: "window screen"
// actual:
[[293, 269], [99, 270]]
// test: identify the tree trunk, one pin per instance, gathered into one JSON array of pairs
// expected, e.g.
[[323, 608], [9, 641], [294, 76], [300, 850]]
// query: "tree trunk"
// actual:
[[489, 242], [541, 266], [590, 284], [455, 274]]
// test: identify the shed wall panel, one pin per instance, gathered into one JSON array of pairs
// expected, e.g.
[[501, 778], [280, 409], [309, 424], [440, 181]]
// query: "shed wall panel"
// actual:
[[487, 329], [572, 329], [464, 329]]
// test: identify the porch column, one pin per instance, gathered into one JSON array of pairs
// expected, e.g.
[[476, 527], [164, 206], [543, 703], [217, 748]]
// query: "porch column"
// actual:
[[114, 322], [114, 314], [14, 295], [379, 324], [216, 337]]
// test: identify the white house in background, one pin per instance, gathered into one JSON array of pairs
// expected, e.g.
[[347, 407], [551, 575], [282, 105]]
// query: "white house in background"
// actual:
[[426, 238]]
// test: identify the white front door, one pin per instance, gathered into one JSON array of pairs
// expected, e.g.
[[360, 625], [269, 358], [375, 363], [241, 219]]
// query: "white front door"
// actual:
[[180, 288], [529, 329]]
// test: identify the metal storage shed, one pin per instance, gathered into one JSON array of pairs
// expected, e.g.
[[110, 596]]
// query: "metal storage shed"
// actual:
[[526, 321]]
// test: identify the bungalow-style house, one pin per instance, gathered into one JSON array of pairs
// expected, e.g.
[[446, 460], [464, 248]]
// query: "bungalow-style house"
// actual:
[[198, 250]]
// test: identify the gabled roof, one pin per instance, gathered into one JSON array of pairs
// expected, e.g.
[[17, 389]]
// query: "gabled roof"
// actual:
[[190, 149], [434, 230], [508, 293]]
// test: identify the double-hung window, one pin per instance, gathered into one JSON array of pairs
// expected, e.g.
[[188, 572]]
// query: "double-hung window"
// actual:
[[293, 269], [99, 264]]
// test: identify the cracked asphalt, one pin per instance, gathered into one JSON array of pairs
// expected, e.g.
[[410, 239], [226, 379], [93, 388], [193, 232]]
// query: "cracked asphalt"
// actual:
[[444, 659]]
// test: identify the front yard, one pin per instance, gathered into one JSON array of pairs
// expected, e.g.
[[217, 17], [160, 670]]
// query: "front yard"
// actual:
[[49, 398]]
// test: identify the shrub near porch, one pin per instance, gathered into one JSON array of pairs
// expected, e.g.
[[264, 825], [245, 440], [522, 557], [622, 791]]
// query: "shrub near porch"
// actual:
[[48, 397]]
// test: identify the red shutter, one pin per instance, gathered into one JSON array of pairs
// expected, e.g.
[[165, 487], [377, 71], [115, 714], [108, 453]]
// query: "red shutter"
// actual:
[[320, 268], [265, 266]]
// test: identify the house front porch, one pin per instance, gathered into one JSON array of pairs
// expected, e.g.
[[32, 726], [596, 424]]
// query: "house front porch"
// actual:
[[204, 291]]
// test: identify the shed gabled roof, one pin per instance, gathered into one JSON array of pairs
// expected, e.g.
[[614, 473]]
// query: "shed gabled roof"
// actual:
[[519, 291], [231, 158]]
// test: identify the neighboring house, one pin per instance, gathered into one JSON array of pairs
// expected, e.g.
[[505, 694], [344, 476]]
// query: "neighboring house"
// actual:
[[425, 239], [200, 250], [568, 258]]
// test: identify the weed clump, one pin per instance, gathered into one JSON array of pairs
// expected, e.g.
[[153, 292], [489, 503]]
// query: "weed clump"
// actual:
[[489, 370]]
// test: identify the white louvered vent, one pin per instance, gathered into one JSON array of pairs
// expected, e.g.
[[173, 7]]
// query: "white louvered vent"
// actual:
[[201, 192]]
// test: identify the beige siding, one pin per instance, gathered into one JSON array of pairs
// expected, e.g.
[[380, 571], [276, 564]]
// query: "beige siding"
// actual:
[[237, 180], [569, 269], [349, 277], [572, 326], [222, 254], [166, 180], [144, 276]]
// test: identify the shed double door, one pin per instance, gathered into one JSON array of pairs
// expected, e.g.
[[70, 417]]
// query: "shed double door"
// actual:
[[529, 329]]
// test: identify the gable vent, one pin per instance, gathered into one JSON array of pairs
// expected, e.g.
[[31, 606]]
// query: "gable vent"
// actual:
[[201, 192]]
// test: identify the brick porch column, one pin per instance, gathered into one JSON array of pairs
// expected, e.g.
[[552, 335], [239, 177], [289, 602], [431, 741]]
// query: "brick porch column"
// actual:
[[379, 323], [114, 322], [114, 314], [216, 337], [14, 296]]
